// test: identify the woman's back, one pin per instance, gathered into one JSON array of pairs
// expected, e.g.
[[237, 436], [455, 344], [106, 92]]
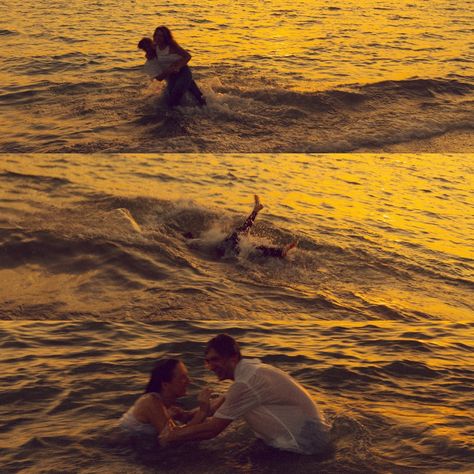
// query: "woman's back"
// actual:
[[137, 419]]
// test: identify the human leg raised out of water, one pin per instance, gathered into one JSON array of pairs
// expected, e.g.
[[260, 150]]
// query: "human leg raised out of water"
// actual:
[[262, 250], [230, 245], [251, 218]]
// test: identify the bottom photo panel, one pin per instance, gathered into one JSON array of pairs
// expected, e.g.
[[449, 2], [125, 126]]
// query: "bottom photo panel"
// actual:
[[193, 313], [224, 397]]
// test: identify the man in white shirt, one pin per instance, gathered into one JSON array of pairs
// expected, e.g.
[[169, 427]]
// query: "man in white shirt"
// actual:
[[276, 407]]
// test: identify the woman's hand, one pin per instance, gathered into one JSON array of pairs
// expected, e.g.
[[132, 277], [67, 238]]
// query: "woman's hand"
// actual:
[[175, 412], [163, 437]]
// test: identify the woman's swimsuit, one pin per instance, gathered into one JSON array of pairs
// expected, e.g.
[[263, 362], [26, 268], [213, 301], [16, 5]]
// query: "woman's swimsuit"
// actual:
[[130, 423]]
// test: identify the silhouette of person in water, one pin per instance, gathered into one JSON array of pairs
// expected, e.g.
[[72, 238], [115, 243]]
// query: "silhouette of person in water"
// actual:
[[230, 247], [166, 60]]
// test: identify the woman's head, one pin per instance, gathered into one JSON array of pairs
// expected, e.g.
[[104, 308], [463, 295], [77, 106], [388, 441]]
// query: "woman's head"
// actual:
[[162, 35], [169, 375], [146, 44]]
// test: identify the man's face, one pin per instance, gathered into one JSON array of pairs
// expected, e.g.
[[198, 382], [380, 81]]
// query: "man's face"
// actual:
[[222, 366]]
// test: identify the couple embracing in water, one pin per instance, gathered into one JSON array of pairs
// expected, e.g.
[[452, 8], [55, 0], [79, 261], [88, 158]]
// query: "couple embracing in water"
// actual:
[[275, 406], [166, 60]]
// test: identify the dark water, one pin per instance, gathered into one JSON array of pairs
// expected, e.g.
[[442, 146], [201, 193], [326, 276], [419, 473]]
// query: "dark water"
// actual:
[[129, 116], [398, 396]]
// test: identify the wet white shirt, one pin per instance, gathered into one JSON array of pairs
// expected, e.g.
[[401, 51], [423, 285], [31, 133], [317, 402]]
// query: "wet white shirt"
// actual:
[[153, 68], [276, 407], [165, 58]]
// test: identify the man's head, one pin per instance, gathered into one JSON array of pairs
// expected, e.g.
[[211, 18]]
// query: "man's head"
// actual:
[[222, 356]]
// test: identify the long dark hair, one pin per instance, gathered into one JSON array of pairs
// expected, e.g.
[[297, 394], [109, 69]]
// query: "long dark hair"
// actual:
[[163, 372], [168, 36]]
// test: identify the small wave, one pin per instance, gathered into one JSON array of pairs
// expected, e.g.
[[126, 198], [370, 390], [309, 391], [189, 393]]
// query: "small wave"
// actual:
[[251, 117], [28, 96], [37, 179], [419, 87], [8, 32], [407, 368]]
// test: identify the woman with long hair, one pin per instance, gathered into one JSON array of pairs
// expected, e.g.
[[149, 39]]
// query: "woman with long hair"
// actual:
[[156, 410], [173, 62]]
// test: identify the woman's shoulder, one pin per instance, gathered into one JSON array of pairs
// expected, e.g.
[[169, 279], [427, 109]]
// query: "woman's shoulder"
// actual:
[[150, 399]]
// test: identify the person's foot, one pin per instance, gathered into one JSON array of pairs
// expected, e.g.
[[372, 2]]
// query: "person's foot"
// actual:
[[257, 206], [288, 247]]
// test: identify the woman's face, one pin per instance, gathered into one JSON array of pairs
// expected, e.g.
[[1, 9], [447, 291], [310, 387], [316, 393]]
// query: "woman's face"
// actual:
[[180, 381], [159, 37]]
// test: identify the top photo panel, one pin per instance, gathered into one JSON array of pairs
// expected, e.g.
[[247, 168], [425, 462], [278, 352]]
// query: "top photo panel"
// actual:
[[221, 76]]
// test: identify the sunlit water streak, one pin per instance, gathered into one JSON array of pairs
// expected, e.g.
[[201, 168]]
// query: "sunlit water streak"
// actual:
[[280, 75], [397, 395]]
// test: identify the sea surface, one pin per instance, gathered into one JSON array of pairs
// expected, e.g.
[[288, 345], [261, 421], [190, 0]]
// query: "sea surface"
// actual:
[[372, 312], [397, 395], [279, 75], [379, 236]]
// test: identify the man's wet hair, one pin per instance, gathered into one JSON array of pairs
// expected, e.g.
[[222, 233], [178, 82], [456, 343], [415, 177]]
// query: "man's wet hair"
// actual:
[[224, 345]]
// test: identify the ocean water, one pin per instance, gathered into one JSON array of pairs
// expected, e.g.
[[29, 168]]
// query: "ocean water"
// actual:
[[397, 395], [372, 312], [279, 75], [379, 237]]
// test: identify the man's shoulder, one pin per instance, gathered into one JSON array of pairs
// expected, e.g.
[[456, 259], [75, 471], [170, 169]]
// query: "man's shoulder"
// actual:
[[246, 368]]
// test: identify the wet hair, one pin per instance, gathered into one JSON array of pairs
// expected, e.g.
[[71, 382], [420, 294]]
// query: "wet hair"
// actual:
[[167, 35], [162, 372], [147, 45], [224, 345]]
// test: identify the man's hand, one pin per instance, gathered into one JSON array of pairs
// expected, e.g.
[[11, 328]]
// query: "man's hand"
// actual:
[[216, 402], [204, 400]]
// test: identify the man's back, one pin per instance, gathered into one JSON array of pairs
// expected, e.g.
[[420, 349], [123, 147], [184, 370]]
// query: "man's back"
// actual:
[[277, 408]]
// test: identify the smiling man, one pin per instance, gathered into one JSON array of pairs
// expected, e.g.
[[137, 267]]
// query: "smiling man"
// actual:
[[276, 407]]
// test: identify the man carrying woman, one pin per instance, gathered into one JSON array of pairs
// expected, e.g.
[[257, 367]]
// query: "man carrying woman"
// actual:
[[166, 60]]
